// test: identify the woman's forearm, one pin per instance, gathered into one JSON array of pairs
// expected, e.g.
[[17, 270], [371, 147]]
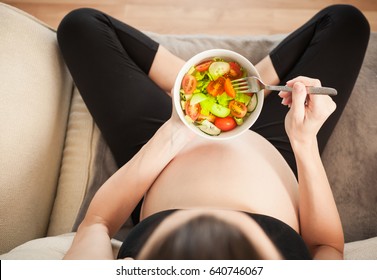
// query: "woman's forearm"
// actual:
[[319, 218], [116, 199], [122, 192]]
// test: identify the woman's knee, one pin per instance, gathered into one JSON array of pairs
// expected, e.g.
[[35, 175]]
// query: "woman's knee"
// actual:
[[350, 20], [76, 24]]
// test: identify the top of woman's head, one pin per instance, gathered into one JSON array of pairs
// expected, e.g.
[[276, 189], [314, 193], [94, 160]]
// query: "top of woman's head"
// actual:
[[202, 238], [209, 234]]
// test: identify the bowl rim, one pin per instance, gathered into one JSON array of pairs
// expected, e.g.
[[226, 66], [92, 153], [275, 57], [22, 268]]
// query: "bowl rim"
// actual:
[[225, 54]]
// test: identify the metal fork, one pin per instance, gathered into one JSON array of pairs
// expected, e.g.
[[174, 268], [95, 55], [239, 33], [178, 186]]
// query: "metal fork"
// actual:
[[254, 84]]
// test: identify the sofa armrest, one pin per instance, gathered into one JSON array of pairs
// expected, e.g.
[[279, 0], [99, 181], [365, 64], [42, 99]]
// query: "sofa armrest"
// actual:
[[35, 92]]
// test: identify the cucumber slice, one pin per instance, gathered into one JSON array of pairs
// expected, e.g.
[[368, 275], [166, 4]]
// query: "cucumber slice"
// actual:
[[218, 69], [239, 121], [220, 111], [188, 119], [197, 98], [253, 103], [209, 128]]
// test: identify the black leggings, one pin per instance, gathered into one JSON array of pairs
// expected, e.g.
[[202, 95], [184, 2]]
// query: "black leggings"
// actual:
[[110, 61]]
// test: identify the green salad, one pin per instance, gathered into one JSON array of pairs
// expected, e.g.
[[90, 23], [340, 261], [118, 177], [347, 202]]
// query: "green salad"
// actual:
[[209, 99]]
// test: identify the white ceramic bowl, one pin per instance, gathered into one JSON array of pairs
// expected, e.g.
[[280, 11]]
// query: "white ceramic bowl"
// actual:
[[227, 55]]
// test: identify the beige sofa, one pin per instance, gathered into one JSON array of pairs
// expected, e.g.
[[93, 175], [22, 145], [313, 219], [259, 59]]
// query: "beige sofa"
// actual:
[[53, 158]]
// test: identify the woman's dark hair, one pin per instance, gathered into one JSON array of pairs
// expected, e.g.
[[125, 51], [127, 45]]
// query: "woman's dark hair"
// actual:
[[204, 238]]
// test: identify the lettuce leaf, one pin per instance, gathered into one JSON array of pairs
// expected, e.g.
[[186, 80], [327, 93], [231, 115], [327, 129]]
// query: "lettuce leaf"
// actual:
[[224, 99]]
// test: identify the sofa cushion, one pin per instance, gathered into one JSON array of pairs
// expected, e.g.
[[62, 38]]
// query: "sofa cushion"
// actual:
[[54, 248], [75, 172], [361, 250], [35, 92], [350, 157], [48, 248]]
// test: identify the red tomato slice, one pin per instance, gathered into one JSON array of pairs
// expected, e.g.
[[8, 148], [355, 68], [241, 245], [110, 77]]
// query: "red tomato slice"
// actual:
[[229, 88], [225, 124], [203, 66], [216, 87], [237, 109], [235, 71], [189, 84], [192, 111]]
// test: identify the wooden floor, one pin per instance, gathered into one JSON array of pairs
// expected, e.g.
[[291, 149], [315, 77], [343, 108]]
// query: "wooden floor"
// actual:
[[236, 17]]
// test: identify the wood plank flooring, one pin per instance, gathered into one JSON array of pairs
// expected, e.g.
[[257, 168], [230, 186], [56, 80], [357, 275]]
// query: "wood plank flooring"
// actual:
[[235, 17]]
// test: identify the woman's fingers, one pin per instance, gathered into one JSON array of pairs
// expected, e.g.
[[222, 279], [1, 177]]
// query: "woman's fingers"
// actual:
[[286, 97], [320, 106], [305, 80], [299, 94]]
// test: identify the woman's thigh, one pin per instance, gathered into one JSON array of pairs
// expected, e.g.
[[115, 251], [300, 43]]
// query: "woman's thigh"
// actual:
[[109, 62], [330, 47]]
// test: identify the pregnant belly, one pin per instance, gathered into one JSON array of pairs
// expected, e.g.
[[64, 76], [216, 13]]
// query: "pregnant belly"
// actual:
[[246, 174]]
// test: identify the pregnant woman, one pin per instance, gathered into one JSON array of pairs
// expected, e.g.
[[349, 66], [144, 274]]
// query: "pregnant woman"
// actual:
[[263, 195]]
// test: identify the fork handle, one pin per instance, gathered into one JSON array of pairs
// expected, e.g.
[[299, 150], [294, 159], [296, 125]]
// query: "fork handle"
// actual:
[[311, 90]]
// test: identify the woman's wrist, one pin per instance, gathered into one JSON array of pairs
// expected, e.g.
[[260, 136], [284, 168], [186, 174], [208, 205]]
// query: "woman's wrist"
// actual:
[[176, 134], [305, 148]]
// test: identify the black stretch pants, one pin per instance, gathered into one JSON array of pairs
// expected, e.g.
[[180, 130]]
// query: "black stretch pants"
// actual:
[[109, 62]]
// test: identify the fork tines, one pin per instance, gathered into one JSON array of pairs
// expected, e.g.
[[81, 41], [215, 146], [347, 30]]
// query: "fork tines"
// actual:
[[241, 85]]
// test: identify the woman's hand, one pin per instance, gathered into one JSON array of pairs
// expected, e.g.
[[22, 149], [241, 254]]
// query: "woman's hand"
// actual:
[[307, 112]]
